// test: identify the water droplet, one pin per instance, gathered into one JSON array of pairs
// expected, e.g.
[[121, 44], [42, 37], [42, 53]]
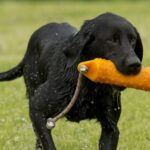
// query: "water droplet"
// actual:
[[108, 110], [92, 102], [115, 109]]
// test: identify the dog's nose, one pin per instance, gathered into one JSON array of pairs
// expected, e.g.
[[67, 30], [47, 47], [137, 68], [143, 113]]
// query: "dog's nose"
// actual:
[[133, 66]]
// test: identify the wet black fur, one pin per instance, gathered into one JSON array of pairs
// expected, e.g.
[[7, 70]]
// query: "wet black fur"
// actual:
[[50, 73]]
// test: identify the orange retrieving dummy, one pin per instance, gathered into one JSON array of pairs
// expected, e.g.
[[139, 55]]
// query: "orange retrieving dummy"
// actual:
[[104, 71]]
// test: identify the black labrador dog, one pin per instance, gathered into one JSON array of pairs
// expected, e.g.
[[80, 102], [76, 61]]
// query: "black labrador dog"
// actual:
[[50, 72]]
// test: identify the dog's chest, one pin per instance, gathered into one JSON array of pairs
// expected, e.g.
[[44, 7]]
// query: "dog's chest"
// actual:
[[89, 102]]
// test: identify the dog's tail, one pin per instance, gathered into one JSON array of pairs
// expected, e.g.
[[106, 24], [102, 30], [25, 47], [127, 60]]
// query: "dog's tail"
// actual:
[[12, 73]]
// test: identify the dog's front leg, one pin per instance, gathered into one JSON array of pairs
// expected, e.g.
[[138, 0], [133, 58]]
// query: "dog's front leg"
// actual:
[[38, 108], [109, 137], [109, 119], [39, 124]]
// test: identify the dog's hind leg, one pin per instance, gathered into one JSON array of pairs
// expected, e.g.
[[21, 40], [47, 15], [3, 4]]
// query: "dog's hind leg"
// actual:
[[38, 106]]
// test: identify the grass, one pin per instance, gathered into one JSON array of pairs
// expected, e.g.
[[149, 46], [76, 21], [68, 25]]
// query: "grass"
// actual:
[[17, 22]]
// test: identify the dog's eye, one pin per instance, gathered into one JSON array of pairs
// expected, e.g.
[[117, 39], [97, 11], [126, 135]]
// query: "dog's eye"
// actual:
[[132, 40], [115, 39]]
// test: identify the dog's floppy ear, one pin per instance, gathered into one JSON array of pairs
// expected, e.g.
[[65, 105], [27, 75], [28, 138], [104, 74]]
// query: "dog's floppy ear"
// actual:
[[75, 46], [139, 47]]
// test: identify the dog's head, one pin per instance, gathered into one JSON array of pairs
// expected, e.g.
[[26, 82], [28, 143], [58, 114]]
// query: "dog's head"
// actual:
[[111, 37]]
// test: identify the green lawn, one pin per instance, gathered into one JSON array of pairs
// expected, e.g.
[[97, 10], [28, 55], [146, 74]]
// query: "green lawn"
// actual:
[[17, 22]]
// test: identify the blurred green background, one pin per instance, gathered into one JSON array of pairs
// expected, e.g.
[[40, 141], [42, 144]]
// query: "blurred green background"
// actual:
[[18, 20]]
